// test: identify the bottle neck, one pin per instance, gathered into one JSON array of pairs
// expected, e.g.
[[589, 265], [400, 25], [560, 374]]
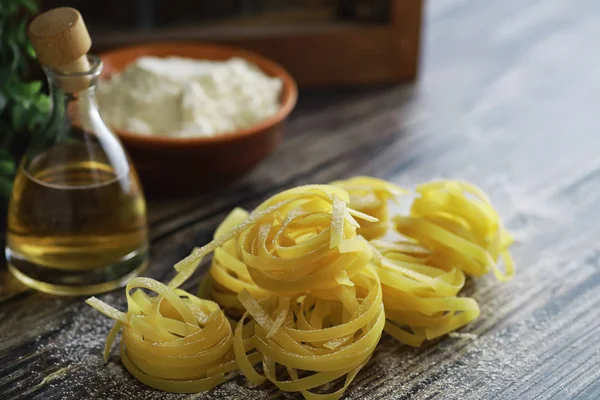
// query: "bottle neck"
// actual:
[[76, 77], [73, 97], [75, 118], [58, 92]]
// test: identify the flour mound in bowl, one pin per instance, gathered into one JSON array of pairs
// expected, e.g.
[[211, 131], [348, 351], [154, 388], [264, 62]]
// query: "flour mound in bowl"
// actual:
[[182, 97]]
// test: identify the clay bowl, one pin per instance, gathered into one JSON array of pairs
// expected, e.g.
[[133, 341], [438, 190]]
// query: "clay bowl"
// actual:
[[179, 166]]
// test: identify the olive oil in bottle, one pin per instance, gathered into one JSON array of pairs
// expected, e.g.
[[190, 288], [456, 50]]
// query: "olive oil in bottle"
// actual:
[[77, 215]]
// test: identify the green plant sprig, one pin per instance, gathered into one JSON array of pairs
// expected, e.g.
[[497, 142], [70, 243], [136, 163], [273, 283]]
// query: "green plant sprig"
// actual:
[[23, 105]]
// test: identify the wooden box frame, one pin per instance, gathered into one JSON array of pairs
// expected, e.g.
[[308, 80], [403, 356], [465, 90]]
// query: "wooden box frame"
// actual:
[[336, 54]]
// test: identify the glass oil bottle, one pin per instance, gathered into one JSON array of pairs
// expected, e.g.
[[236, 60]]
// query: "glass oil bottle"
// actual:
[[77, 216]]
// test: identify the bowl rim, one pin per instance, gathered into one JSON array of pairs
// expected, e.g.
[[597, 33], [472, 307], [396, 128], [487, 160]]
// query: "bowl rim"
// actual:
[[289, 94]]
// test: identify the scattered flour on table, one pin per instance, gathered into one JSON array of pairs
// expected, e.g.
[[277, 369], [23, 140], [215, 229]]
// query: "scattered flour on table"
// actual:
[[459, 335]]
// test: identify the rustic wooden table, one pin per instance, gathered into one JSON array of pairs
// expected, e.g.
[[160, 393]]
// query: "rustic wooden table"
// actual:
[[508, 98]]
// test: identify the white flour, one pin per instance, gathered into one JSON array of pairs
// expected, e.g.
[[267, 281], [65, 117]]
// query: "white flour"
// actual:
[[184, 97]]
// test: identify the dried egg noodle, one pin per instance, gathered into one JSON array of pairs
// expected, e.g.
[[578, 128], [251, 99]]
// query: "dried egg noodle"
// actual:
[[300, 239], [420, 293], [371, 196], [228, 275], [309, 244], [457, 220], [317, 338], [312, 289], [173, 341]]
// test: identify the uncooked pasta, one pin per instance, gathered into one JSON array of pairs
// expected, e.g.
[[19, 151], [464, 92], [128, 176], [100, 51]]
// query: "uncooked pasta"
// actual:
[[371, 196], [316, 339], [309, 244], [315, 284], [457, 220], [420, 294], [172, 341], [228, 275]]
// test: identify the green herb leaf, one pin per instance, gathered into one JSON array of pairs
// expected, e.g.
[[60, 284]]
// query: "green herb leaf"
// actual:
[[29, 49], [3, 102], [4, 155], [22, 31], [7, 167], [2, 23], [35, 118], [18, 117], [23, 92], [10, 8], [31, 5], [16, 56], [5, 187], [43, 104], [33, 88], [33, 123], [22, 104]]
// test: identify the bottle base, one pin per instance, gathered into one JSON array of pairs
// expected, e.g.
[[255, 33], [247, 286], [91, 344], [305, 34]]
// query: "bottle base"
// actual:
[[77, 282]]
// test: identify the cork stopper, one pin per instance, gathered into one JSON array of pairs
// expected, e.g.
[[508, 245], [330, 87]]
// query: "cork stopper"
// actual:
[[61, 41]]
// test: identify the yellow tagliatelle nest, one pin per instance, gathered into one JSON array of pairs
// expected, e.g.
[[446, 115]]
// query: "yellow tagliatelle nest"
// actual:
[[308, 244], [298, 240], [371, 196], [173, 341], [314, 288], [420, 293], [228, 275], [317, 338], [457, 220]]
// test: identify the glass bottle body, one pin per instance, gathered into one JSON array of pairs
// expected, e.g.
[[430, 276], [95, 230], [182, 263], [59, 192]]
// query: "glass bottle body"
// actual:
[[77, 215]]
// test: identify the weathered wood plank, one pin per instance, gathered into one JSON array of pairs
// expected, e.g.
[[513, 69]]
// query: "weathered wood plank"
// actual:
[[507, 100]]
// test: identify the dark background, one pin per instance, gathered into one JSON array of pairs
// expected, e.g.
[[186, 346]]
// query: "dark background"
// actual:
[[129, 16]]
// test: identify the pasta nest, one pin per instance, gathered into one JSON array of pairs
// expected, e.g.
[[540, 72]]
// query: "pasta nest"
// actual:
[[420, 293], [299, 240], [309, 243], [172, 341], [456, 220], [312, 339]]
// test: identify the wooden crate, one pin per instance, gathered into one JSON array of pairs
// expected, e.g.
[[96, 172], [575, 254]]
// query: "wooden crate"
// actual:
[[317, 52]]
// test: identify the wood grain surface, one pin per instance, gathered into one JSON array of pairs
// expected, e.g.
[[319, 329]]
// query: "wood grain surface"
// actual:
[[508, 99]]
